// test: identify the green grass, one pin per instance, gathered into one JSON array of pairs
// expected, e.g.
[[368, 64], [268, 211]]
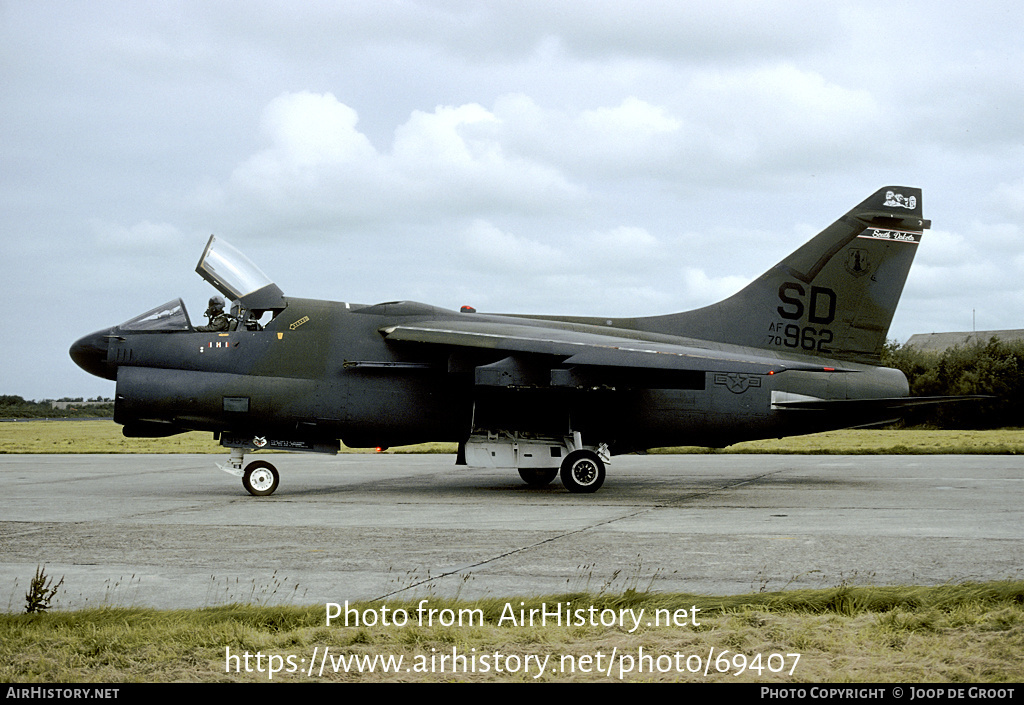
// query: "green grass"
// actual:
[[912, 441], [105, 437], [967, 633]]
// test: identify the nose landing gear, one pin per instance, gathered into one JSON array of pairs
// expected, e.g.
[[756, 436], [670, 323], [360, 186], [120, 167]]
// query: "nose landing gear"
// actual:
[[259, 478]]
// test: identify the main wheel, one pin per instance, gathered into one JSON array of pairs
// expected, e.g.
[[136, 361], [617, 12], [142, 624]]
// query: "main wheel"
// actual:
[[582, 472], [538, 477], [260, 478]]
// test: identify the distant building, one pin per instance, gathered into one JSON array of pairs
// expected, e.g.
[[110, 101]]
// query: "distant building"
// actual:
[[937, 342]]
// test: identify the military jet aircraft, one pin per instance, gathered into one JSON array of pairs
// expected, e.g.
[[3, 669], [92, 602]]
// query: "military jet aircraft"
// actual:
[[797, 351]]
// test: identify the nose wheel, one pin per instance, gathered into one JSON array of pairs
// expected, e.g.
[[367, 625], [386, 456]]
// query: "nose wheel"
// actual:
[[260, 478]]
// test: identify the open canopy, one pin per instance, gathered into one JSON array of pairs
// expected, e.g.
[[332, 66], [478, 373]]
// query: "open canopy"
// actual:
[[234, 275]]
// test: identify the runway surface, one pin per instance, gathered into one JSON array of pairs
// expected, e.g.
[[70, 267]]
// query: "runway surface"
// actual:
[[173, 531]]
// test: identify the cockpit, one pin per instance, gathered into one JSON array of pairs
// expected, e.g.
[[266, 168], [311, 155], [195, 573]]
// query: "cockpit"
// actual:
[[229, 271], [170, 316], [239, 280], [233, 275]]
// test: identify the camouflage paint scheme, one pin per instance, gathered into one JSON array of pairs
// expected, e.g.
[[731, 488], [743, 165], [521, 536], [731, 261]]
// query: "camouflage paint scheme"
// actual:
[[796, 351]]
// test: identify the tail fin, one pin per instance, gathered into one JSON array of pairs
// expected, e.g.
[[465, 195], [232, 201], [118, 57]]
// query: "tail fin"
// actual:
[[834, 297]]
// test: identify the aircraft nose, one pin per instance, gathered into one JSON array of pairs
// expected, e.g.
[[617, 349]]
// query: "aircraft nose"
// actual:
[[90, 353]]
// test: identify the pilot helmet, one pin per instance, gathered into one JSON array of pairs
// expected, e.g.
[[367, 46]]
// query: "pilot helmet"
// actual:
[[216, 303]]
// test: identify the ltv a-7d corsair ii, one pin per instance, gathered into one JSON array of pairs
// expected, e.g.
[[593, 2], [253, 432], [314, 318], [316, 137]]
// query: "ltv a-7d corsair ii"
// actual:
[[797, 351]]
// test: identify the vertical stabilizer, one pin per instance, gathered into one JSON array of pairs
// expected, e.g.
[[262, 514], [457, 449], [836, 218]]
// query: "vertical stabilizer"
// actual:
[[834, 297]]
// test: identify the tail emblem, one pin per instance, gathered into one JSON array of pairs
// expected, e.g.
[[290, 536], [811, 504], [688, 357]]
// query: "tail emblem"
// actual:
[[857, 262], [894, 200]]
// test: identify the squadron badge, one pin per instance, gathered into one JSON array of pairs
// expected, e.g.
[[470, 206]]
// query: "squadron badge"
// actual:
[[857, 262]]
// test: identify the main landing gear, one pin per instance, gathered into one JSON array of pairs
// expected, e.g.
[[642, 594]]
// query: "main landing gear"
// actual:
[[259, 478], [538, 477], [582, 471], [582, 468]]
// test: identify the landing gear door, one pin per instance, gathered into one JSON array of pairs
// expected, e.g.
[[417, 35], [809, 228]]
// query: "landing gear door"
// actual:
[[232, 274]]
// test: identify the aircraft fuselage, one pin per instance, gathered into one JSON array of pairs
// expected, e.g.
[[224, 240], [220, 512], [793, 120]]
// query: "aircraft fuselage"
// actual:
[[795, 351], [322, 370]]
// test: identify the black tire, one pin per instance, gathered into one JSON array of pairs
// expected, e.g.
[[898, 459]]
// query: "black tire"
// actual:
[[260, 478], [582, 472], [538, 477]]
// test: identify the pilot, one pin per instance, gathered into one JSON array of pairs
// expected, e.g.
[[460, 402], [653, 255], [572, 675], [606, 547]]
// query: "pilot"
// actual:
[[215, 312]]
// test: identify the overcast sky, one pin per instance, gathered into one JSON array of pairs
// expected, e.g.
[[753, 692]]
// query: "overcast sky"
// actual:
[[592, 158]]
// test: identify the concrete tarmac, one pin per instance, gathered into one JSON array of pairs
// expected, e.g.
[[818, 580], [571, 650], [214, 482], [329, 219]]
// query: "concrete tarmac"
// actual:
[[173, 531]]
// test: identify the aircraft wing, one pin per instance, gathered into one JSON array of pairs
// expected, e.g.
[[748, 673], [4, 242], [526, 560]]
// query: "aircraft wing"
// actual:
[[588, 349]]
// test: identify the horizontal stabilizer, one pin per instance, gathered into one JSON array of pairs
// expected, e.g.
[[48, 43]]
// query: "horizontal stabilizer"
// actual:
[[861, 405]]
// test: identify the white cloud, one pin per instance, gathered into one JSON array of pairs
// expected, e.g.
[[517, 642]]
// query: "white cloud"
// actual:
[[450, 161], [617, 250], [486, 246], [631, 138], [462, 137], [629, 242], [773, 116], [703, 289], [941, 248], [623, 271], [316, 155], [309, 130], [1009, 197], [469, 161]]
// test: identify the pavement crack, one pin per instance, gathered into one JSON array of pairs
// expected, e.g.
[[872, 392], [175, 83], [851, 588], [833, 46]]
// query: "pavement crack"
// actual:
[[583, 529]]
